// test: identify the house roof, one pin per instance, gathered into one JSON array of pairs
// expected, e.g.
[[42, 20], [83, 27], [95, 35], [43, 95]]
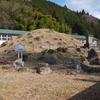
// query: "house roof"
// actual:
[[80, 37], [14, 32]]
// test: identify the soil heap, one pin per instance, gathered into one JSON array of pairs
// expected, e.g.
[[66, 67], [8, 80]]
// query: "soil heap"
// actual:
[[41, 39]]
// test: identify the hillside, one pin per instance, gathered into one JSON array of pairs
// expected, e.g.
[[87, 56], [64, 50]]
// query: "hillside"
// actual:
[[32, 14]]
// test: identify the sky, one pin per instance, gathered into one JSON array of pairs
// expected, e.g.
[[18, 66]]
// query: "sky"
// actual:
[[90, 6]]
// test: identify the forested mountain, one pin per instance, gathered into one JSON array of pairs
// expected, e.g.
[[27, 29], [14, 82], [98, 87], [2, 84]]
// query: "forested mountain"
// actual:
[[35, 14]]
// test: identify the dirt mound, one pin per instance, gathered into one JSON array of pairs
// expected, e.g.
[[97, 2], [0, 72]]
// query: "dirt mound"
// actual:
[[41, 39]]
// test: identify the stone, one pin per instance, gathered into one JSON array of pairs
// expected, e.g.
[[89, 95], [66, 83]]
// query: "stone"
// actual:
[[50, 60], [69, 62], [93, 57], [92, 54], [82, 59], [90, 69], [41, 58], [73, 73], [95, 61], [43, 47], [3, 62], [22, 69], [25, 57], [50, 51], [62, 49], [42, 65], [59, 49], [44, 52], [62, 67], [77, 66], [44, 70], [18, 63], [93, 69]]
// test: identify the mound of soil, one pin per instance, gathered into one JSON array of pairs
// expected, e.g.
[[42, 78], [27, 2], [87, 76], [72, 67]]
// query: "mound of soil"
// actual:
[[41, 39]]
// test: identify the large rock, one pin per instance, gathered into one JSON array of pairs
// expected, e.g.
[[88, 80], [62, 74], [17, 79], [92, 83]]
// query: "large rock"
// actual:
[[90, 69], [92, 54], [95, 61], [93, 69], [44, 70], [18, 63], [93, 57]]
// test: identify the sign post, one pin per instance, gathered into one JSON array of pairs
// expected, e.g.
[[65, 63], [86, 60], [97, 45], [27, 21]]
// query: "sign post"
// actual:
[[20, 48]]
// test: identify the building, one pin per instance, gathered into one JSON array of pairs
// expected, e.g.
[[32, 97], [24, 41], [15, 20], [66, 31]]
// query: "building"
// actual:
[[8, 34], [89, 39]]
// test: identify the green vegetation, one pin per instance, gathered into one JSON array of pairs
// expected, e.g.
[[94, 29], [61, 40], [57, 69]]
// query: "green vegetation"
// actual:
[[25, 15]]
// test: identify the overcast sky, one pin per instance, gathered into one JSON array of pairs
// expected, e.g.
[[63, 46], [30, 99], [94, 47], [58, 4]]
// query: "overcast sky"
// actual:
[[90, 6]]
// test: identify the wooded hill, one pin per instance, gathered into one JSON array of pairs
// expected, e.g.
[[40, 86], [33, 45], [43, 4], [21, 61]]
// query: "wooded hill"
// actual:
[[34, 14]]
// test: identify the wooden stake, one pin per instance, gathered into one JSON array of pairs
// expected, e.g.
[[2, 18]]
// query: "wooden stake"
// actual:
[[18, 54]]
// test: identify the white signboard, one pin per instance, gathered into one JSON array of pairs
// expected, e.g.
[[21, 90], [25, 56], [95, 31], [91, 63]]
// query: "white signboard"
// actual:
[[19, 47]]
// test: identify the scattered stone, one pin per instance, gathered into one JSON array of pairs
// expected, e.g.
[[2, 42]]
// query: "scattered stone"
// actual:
[[26, 57], [4, 62], [44, 70], [92, 54], [79, 50], [4, 58], [42, 65], [93, 57], [44, 52], [90, 69], [50, 60], [43, 47], [82, 59], [77, 66], [93, 69], [69, 63], [41, 58], [73, 73], [98, 74], [59, 49], [95, 61], [5, 67], [18, 63], [22, 69], [37, 38], [35, 71], [62, 67], [3, 44], [62, 49], [50, 51]]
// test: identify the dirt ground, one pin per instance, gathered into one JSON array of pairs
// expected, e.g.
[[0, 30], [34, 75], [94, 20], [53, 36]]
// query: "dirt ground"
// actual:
[[59, 85]]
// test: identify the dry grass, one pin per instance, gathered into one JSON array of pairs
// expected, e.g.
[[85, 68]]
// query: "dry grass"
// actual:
[[32, 86], [41, 37]]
